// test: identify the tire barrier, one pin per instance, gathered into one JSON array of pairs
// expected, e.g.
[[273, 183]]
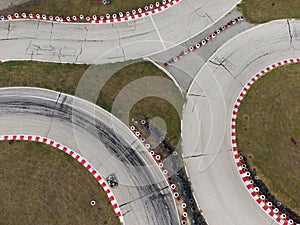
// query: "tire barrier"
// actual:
[[166, 144], [78, 158], [196, 216], [257, 189], [146, 11], [93, 203], [204, 41], [173, 187], [155, 156]]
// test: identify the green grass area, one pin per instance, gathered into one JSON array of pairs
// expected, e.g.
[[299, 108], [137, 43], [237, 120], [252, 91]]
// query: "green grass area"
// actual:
[[54, 76], [76, 7], [149, 107], [35, 161], [261, 11], [65, 78], [42, 185], [154, 107], [267, 120]]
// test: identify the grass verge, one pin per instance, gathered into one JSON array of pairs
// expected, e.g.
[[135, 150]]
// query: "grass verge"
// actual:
[[261, 11], [65, 78], [267, 121], [42, 185], [76, 7]]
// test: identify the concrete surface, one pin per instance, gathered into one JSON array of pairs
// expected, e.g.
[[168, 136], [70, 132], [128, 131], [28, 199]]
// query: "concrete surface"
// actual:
[[206, 120], [94, 43], [143, 194], [220, 70], [185, 69]]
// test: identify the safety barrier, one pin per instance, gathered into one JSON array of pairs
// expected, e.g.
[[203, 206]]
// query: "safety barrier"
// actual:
[[262, 201], [148, 10], [186, 201], [160, 164], [203, 42], [77, 157]]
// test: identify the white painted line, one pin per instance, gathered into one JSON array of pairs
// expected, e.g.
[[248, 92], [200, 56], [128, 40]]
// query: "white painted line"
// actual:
[[161, 40], [166, 72], [236, 105]]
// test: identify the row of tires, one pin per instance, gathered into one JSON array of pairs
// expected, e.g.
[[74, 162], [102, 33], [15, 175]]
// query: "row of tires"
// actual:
[[174, 164], [265, 196], [108, 18], [254, 185], [203, 42], [165, 172]]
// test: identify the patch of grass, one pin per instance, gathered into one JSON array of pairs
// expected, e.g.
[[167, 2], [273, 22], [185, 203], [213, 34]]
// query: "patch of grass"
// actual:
[[65, 78], [153, 107], [76, 7], [54, 76], [42, 185], [268, 118], [149, 107], [125, 76], [261, 11]]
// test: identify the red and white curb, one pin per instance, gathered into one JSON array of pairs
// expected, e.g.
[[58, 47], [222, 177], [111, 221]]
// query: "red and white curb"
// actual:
[[203, 42], [261, 200], [76, 156], [148, 10], [158, 160]]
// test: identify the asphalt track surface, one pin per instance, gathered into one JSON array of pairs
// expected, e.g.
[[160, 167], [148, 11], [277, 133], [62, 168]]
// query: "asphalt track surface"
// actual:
[[91, 43], [207, 117], [110, 147], [217, 186], [185, 70]]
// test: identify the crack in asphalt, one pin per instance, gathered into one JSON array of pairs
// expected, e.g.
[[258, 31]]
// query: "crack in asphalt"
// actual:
[[59, 55], [125, 213], [37, 28], [38, 47], [28, 47], [206, 154], [119, 43], [146, 195], [8, 30], [81, 47], [51, 32], [252, 61], [196, 10], [50, 124], [196, 95], [53, 39], [133, 142], [137, 35], [208, 16], [221, 64], [290, 33], [37, 50]]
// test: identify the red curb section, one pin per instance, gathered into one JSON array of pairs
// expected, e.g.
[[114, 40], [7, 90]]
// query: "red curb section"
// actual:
[[277, 216], [203, 42], [95, 19], [78, 158]]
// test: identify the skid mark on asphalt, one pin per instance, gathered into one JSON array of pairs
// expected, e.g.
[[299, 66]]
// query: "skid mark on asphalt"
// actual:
[[207, 154], [290, 34], [221, 64]]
